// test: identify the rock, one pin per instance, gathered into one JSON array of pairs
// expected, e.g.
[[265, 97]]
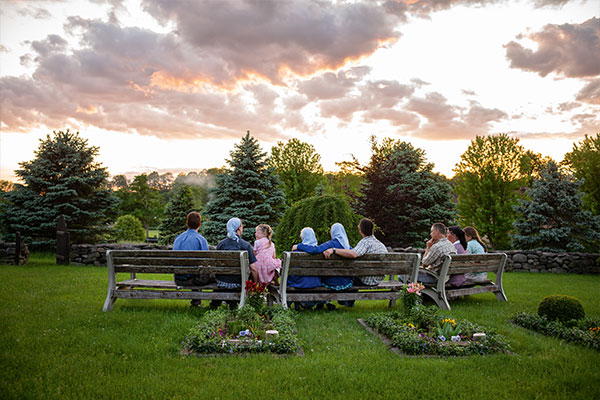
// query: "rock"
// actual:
[[519, 258]]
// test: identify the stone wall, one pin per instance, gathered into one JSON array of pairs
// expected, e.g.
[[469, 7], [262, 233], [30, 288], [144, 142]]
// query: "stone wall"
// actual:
[[8, 250], [95, 254], [537, 261]]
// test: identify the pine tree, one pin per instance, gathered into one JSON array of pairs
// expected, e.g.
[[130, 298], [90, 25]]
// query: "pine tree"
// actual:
[[63, 178], [402, 195], [552, 218], [248, 190], [173, 223]]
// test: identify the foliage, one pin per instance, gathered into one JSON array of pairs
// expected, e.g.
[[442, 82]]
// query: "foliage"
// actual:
[[199, 183], [319, 213], [249, 191], [128, 229], [584, 161], [560, 307], [256, 293], [488, 178], [299, 168], [551, 218], [143, 201], [412, 337], [174, 221], [411, 295], [63, 178], [402, 195], [162, 183], [215, 330], [119, 182], [575, 334]]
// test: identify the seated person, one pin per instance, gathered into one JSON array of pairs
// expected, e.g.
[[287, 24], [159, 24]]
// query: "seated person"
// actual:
[[234, 241], [307, 235], [267, 263], [339, 240], [474, 246], [437, 247], [367, 245], [456, 236]]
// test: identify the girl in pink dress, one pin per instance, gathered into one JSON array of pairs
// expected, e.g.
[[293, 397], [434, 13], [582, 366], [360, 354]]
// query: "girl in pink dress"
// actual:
[[267, 263]]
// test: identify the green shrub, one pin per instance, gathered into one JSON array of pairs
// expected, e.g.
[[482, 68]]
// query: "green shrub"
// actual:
[[561, 308], [319, 213], [128, 229]]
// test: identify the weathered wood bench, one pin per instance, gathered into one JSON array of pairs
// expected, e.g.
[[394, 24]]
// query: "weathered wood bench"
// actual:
[[461, 264], [172, 262], [304, 264]]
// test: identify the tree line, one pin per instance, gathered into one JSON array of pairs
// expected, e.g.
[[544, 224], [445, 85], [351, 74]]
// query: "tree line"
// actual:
[[515, 197]]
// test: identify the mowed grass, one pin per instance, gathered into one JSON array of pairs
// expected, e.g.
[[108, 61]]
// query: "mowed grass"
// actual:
[[55, 342]]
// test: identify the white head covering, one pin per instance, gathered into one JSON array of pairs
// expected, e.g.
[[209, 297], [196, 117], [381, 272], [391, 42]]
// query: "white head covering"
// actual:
[[338, 232], [308, 237], [232, 226]]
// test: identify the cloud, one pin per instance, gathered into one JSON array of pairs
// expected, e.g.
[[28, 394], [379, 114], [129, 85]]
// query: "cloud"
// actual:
[[571, 50], [590, 93], [332, 85], [271, 39]]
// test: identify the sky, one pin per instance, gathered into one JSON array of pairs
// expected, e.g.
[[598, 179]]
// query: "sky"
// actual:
[[173, 85]]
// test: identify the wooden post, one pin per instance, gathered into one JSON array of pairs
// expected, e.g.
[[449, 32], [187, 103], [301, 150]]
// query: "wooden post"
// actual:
[[63, 245], [18, 248]]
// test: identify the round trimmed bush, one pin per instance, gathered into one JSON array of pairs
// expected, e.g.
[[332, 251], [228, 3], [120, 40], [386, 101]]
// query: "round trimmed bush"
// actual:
[[129, 229], [562, 308]]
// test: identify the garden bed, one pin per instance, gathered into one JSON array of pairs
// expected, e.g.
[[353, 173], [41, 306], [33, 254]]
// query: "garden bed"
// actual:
[[422, 331], [584, 332], [244, 331]]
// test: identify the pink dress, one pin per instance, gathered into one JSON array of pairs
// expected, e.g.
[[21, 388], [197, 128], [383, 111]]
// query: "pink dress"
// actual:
[[266, 264]]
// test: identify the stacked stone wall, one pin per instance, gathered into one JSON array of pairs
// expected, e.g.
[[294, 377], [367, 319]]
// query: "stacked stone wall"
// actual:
[[8, 251], [542, 262], [95, 254]]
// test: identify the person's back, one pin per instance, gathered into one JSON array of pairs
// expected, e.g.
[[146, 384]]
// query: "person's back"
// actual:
[[191, 240], [267, 263], [437, 247], [234, 281]]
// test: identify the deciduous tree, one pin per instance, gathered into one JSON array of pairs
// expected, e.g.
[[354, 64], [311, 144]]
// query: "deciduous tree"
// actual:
[[143, 201], [584, 162], [173, 223], [299, 168], [488, 178]]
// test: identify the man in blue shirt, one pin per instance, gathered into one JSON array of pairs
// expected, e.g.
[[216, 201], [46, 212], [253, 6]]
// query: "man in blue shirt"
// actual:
[[192, 240]]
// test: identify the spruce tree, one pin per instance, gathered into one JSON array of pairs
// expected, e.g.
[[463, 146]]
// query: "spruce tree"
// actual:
[[402, 195], [248, 190], [63, 178], [552, 217], [173, 223]]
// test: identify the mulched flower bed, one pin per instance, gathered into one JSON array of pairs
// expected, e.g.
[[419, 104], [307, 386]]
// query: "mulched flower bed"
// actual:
[[584, 332], [423, 331], [224, 331]]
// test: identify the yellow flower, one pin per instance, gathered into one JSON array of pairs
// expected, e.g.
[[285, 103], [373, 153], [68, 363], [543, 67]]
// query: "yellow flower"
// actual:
[[450, 321], [411, 325]]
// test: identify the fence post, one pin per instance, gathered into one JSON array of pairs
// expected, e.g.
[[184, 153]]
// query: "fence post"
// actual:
[[63, 245], [17, 248]]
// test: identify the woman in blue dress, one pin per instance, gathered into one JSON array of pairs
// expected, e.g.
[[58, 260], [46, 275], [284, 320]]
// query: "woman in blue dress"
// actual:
[[307, 235], [339, 240]]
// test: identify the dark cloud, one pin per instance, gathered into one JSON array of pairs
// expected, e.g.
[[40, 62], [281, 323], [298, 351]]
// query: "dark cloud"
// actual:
[[332, 85], [590, 93], [572, 50], [270, 38]]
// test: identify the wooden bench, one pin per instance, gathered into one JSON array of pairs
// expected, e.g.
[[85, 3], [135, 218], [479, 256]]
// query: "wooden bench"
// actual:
[[461, 264], [172, 262], [304, 264]]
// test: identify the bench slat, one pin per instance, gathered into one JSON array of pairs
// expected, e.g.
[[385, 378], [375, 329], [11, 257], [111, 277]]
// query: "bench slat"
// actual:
[[200, 254], [201, 262], [341, 296], [154, 269], [175, 294], [473, 290]]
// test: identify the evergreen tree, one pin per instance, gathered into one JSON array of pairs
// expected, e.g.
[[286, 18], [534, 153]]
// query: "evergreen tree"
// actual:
[[63, 178], [129, 229], [584, 162], [552, 218], [402, 195], [299, 168], [173, 223], [488, 179], [248, 190], [319, 213]]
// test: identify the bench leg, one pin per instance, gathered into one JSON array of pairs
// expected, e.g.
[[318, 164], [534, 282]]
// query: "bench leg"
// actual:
[[392, 303], [500, 295], [109, 303], [442, 303]]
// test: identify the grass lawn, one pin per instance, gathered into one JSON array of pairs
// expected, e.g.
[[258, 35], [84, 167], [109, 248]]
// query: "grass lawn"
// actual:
[[55, 342]]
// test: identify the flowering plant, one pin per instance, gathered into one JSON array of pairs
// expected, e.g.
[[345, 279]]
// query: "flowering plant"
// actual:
[[411, 295], [256, 294], [448, 328]]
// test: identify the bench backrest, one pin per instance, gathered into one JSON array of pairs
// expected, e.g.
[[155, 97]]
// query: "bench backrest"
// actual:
[[299, 263], [177, 262], [463, 263]]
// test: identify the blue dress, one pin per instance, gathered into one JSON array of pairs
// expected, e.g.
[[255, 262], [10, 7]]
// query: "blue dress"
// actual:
[[331, 282]]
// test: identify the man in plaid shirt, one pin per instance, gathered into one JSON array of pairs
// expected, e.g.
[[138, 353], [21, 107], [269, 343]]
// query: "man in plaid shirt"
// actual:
[[367, 245], [437, 247]]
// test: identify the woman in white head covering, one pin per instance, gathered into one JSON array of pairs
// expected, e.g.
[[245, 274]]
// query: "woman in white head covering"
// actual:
[[305, 282], [234, 241], [339, 240]]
